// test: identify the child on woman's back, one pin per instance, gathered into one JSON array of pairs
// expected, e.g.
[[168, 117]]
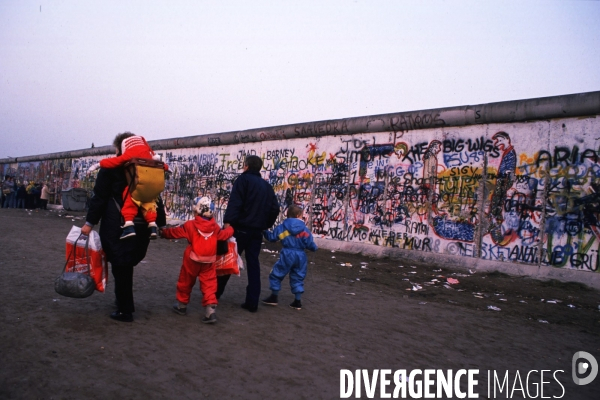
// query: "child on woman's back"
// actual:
[[129, 146]]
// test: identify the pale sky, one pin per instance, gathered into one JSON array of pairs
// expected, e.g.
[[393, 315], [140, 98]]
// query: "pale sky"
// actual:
[[76, 72]]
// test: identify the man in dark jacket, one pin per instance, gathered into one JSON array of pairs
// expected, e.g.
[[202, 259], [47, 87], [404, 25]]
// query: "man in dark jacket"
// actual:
[[123, 255], [21, 196], [252, 208]]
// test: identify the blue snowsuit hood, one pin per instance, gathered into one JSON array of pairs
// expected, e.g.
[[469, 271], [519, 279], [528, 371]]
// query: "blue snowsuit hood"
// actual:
[[294, 225], [293, 235]]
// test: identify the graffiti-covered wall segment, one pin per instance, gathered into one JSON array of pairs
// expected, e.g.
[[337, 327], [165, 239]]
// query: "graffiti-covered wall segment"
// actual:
[[525, 192]]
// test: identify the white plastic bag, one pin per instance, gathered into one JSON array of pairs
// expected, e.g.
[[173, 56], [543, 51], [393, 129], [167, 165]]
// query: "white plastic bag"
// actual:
[[94, 255], [230, 263]]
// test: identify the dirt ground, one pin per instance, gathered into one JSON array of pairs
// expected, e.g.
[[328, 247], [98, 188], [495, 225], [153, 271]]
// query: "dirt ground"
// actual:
[[363, 314]]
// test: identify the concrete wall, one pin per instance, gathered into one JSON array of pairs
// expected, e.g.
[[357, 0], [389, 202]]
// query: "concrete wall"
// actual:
[[442, 188]]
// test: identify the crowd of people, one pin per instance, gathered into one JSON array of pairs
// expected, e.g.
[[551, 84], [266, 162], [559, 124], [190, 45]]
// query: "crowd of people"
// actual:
[[25, 195], [252, 210]]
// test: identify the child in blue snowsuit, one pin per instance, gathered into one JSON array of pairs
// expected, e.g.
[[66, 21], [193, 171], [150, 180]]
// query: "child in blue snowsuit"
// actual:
[[295, 237]]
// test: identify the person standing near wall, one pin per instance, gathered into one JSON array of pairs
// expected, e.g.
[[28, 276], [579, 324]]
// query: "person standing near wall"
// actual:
[[37, 193], [3, 192], [252, 208], [21, 196], [44, 196], [123, 255], [9, 190], [30, 201]]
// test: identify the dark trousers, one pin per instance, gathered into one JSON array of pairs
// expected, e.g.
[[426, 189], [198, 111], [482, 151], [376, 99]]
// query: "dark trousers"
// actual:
[[123, 276], [30, 201], [248, 242]]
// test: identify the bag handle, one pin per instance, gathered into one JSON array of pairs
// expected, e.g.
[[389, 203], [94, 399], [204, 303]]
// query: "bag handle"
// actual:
[[72, 253], [87, 253]]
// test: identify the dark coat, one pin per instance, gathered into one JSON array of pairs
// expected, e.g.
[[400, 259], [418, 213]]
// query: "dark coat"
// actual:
[[252, 203], [21, 192], [109, 187]]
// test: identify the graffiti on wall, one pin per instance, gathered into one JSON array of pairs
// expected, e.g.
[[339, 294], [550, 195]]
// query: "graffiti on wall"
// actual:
[[527, 192]]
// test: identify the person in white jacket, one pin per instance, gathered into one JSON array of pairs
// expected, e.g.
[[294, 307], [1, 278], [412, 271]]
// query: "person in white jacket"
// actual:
[[45, 196]]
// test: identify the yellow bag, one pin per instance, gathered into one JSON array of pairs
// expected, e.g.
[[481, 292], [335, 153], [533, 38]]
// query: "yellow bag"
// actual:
[[146, 179]]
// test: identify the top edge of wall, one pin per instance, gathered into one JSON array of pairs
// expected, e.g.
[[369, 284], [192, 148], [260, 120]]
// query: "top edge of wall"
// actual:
[[564, 106]]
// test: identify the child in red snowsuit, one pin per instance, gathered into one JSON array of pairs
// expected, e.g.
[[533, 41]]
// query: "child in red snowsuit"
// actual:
[[198, 258], [131, 146]]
